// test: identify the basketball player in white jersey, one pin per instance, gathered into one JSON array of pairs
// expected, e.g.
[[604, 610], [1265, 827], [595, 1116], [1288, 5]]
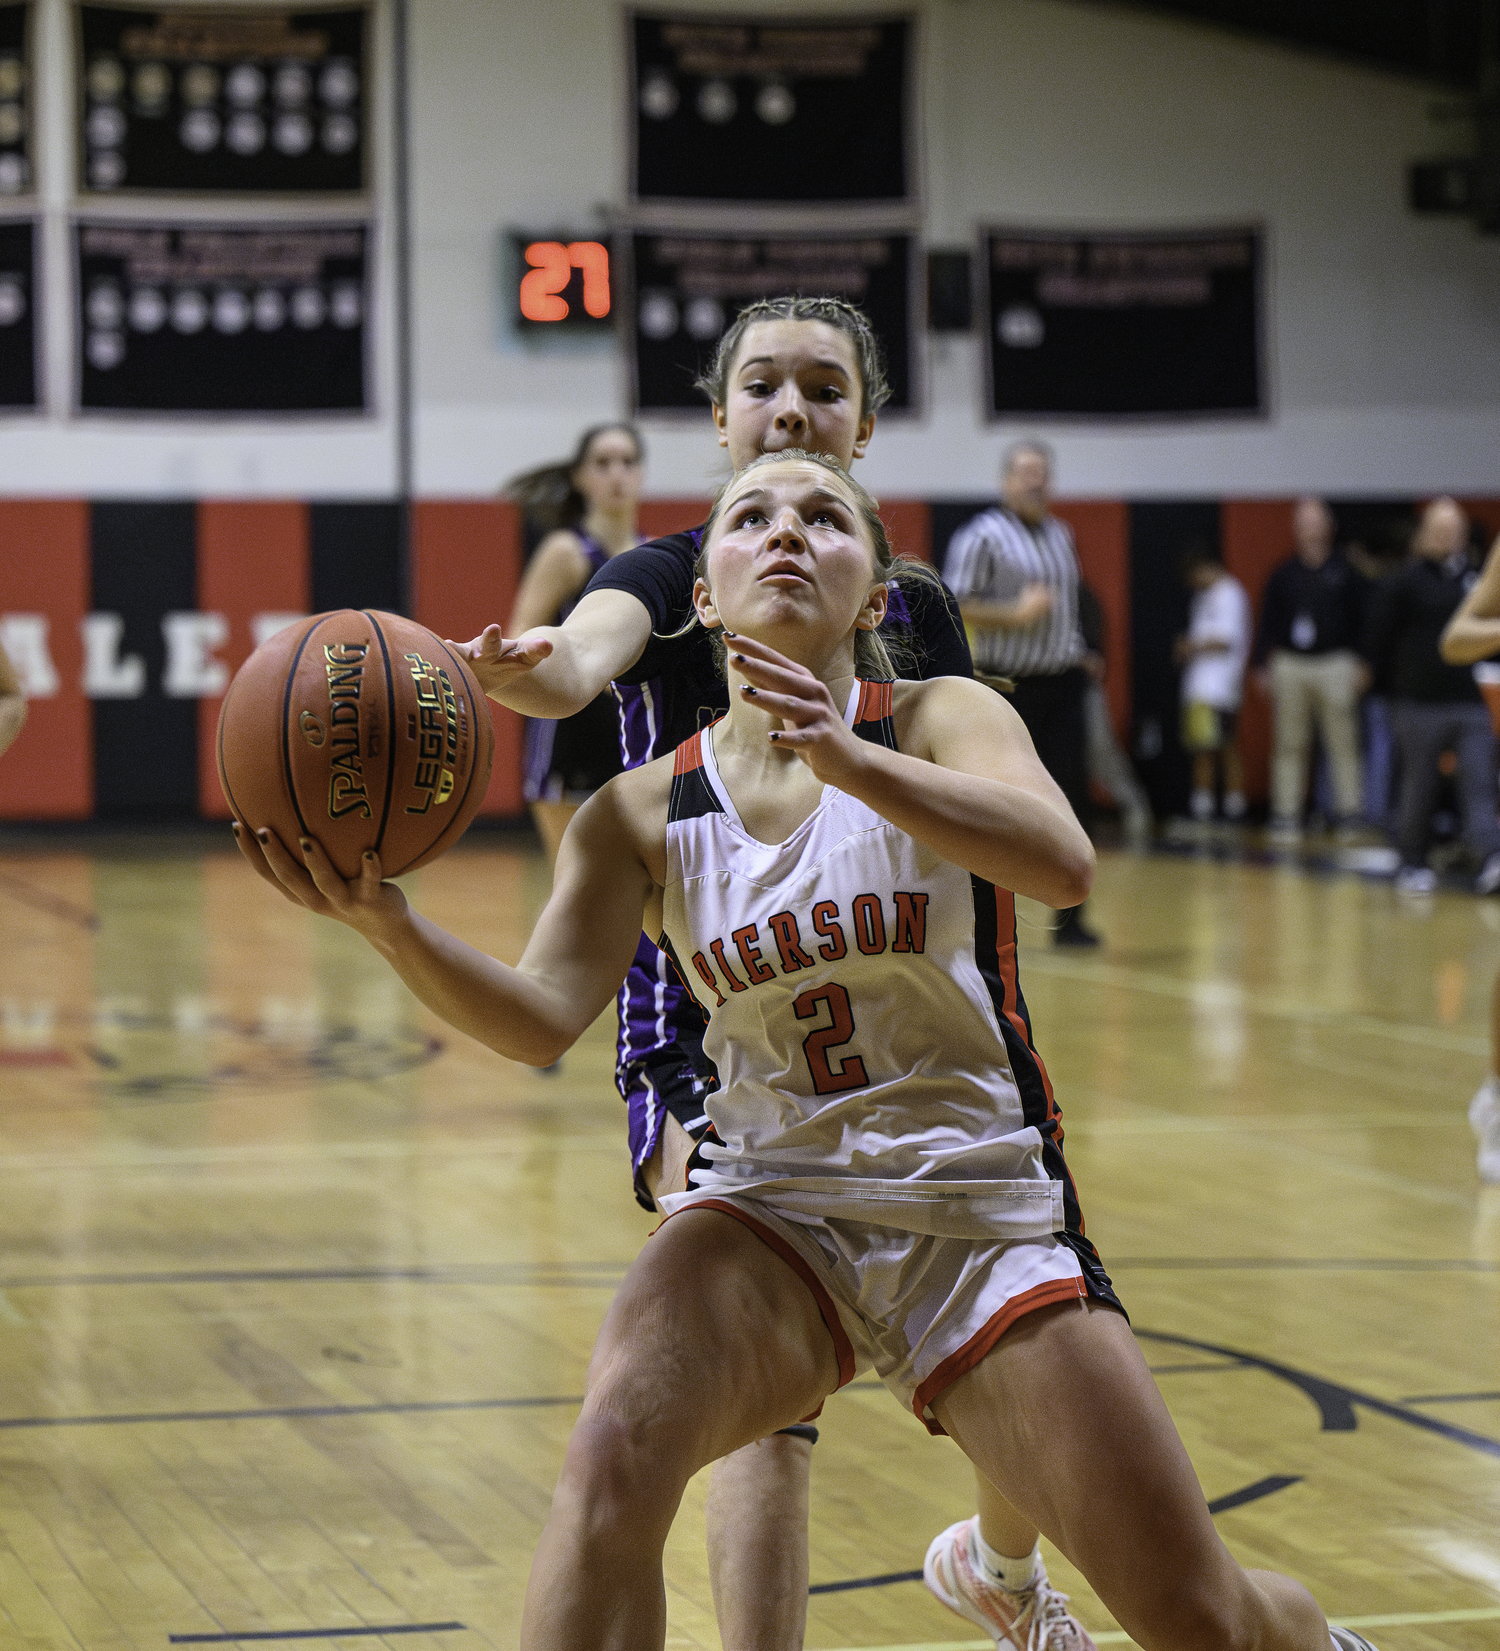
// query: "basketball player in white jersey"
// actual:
[[831, 864]]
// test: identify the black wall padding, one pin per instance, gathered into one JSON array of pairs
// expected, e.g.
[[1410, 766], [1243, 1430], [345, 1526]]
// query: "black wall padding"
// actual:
[[144, 564], [1160, 531], [356, 556]]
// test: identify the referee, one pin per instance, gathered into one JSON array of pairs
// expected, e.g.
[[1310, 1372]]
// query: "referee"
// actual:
[[1015, 574]]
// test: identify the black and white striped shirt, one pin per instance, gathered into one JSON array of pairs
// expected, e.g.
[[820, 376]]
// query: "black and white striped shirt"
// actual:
[[991, 559]]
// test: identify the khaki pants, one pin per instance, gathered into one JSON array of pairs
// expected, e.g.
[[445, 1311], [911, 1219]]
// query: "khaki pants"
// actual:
[[1325, 686]]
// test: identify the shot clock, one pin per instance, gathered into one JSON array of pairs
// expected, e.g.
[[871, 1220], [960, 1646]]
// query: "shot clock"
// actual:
[[562, 282]]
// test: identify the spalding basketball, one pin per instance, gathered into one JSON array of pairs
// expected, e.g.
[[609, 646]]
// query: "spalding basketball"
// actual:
[[360, 729]]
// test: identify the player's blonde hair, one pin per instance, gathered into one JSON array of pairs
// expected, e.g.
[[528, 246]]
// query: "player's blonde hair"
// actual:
[[872, 652]]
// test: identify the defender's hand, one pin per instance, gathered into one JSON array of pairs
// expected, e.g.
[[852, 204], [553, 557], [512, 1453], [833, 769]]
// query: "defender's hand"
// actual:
[[496, 662]]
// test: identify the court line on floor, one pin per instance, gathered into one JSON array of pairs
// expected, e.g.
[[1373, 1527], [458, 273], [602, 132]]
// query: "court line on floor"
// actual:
[[1116, 1636], [607, 1274], [1222, 1504], [584, 1274], [1451, 1398], [1224, 994], [44, 900], [319, 1633], [397, 1407], [1336, 1403]]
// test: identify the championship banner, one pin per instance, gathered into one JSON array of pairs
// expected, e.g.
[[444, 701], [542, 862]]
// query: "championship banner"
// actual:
[[266, 101], [1121, 325], [688, 288], [794, 109], [18, 313], [15, 102], [209, 318]]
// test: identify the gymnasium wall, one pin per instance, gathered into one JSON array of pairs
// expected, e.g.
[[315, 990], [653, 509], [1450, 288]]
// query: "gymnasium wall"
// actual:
[[128, 617], [1383, 344], [1383, 328]]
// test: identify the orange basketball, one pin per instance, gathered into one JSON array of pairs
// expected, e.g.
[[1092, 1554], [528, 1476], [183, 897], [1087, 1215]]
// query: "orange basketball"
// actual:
[[360, 729]]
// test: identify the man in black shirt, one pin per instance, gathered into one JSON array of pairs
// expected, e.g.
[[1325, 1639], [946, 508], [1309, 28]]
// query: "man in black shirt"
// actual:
[[1307, 659], [1435, 706]]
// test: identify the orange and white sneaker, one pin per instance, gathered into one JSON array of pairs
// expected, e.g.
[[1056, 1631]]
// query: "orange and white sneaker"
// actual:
[[1031, 1619]]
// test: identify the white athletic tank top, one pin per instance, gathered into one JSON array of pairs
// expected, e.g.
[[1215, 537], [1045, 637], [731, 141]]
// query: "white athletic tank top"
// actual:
[[872, 1046]]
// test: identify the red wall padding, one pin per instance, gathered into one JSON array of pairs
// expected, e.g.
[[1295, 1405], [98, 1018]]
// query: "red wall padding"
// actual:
[[253, 558], [465, 567], [48, 774]]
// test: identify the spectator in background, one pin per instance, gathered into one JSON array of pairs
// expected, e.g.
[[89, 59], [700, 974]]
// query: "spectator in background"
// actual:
[[1108, 765], [12, 702], [1307, 651], [1473, 634], [1435, 707], [1015, 573], [1213, 655]]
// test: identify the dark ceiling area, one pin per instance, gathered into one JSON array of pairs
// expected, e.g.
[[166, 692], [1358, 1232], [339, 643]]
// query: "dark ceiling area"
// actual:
[[1440, 40]]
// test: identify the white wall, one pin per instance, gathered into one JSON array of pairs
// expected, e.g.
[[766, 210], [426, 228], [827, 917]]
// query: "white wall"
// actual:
[[1384, 328], [60, 453]]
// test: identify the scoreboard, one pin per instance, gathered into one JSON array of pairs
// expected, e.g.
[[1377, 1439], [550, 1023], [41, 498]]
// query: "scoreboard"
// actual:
[[563, 280]]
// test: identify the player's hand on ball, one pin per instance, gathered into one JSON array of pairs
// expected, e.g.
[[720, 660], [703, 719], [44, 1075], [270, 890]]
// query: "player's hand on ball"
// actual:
[[495, 661], [307, 878], [811, 724]]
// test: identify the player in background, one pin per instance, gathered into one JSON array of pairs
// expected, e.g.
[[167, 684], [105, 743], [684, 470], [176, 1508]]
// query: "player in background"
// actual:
[[589, 504], [1472, 634], [12, 702], [1212, 654], [790, 373], [935, 1235]]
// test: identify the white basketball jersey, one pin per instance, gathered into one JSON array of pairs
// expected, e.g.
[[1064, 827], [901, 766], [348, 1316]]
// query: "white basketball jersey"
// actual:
[[864, 1017]]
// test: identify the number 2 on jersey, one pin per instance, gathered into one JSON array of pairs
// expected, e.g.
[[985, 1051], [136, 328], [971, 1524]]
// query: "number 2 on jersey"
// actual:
[[817, 1044]]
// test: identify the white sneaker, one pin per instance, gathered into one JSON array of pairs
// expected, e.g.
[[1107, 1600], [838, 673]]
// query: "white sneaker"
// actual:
[[1416, 880], [1488, 879], [1345, 1639], [1033, 1619], [1201, 805], [1484, 1120]]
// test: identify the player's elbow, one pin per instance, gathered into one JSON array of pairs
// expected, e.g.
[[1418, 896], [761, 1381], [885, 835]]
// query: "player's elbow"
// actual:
[[1459, 647], [1073, 874]]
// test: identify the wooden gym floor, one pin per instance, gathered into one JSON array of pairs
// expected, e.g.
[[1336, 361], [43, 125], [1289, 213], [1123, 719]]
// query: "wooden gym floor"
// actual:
[[297, 1288]]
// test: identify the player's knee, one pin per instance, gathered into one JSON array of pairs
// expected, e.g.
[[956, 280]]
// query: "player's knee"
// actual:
[[621, 1474]]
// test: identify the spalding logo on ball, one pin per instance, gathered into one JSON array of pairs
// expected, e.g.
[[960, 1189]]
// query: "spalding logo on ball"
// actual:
[[361, 729]]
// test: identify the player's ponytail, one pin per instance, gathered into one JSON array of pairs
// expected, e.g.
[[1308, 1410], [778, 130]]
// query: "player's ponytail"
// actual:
[[548, 495]]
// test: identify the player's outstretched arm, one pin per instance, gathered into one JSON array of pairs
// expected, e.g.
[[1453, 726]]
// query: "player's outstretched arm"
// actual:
[[555, 670], [578, 955], [1473, 633], [12, 702], [972, 787]]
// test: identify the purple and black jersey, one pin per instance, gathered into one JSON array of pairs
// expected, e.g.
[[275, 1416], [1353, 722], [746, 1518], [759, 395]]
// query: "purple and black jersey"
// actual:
[[672, 691]]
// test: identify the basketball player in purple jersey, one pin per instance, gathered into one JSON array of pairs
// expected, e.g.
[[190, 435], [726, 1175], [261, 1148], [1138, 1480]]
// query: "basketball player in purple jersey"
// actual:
[[790, 373], [588, 504]]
